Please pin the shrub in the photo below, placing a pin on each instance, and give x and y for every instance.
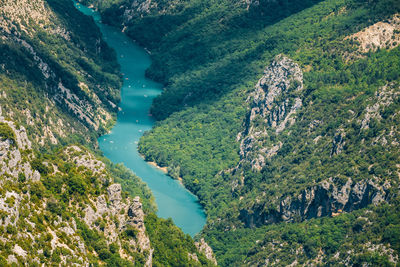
(6, 132)
(77, 185)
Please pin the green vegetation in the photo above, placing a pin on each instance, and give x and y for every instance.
(354, 232)
(74, 60)
(171, 244)
(6, 132)
(97, 242)
(210, 55)
(59, 86)
(201, 139)
(133, 185)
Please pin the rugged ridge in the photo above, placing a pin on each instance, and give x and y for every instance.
(61, 203)
(325, 199)
(271, 107)
(21, 205)
(68, 85)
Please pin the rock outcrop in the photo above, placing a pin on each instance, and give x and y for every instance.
(204, 248)
(12, 163)
(325, 199)
(18, 208)
(251, 3)
(273, 108)
(384, 97)
(108, 209)
(383, 34)
(338, 142)
(140, 8)
(110, 213)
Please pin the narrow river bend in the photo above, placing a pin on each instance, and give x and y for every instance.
(172, 199)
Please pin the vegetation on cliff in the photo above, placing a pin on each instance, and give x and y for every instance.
(61, 202)
(210, 55)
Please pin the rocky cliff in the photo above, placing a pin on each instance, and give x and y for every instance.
(60, 203)
(383, 34)
(331, 196)
(37, 222)
(69, 78)
(272, 108)
(325, 199)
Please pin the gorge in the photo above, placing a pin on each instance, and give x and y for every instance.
(137, 93)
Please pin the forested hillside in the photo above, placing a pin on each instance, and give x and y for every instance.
(282, 116)
(61, 202)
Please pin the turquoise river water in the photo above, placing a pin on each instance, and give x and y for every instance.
(120, 146)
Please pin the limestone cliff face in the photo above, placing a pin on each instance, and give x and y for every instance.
(140, 8)
(204, 248)
(251, 3)
(68, 86)
(128, 213)
(325, 199)
(111, 213)
(12, 163)
(59, 206)
(273, 108)
(383, 34)
(118, 218)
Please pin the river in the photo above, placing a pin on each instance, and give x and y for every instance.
(120, 146)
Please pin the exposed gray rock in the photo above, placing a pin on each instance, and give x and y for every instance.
(193, 256)
(251, 3)
(203, 247)
(272, 107)
(88, 113)
(12, 210)
(383, 98)
(383, 34)
(324, 199)
(338, 142)
(114, 196)
(89, 161)
(136, 214)
(140, 8)
(136, 219)
(12, 259)
(11, 162)
(129, 214)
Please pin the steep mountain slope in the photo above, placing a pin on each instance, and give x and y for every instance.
(61, 203)
(268, 154)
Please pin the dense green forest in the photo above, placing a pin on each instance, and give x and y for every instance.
(210, 55)
(59, 91)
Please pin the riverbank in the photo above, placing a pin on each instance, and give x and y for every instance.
(165, 170)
